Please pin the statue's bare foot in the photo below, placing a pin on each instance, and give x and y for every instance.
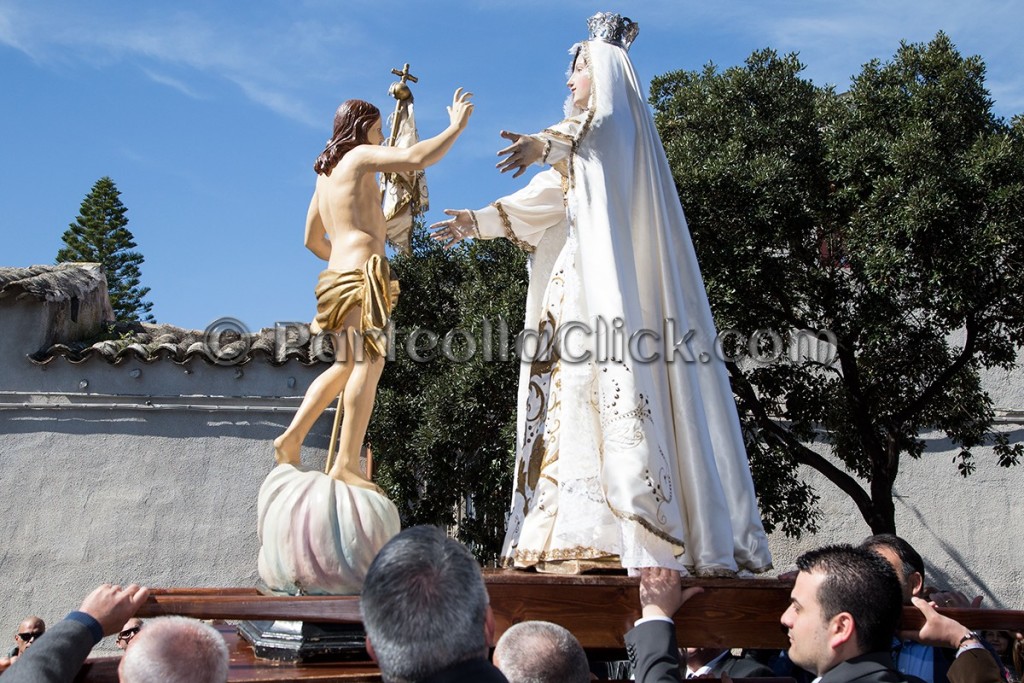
(286, 451)
(353, 478)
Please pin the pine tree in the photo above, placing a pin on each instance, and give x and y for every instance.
(100, 235)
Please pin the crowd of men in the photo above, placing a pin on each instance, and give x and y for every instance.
(428, 619)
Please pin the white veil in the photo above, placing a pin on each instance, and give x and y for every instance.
(667, 427)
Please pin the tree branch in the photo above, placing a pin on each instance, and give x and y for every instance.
(940, 382)
(801, 453)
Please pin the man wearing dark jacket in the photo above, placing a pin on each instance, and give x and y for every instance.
(844, 608)
(426, 611)
(58, 654)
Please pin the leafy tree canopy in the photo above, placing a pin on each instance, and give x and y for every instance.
(891, 216)
(443, 428)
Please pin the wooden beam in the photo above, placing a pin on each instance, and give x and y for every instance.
(597, 609)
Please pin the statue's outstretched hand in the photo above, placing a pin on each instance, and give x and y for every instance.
(524, 150)
(461, 108)
(460, 226)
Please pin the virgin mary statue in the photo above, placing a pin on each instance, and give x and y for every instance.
(629, 449)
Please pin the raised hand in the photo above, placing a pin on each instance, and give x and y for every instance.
(457, 228)
(112, 605)
(524, 150)
(938, 630)
(661, 592)
(461, 108)
(952, 599)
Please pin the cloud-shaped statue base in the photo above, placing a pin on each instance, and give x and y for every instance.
(319, 535)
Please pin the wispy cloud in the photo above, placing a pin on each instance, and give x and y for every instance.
(171, 83)
(276, 64)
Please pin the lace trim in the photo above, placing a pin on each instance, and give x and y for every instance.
(578, 552)
(476, 226)
(509, 233)
(557, 134)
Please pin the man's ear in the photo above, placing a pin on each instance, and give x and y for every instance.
(489, 627)
(369, 650)
(916, 584)
(842, 630)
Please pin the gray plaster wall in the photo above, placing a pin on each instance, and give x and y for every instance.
(149, 476)
(967, 530)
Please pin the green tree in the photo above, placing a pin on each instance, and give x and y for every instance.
(890, 215)
(100, 235)
(443, 427)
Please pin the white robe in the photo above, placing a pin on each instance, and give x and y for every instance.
(628, 452)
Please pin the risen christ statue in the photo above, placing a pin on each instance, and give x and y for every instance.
(345, 226)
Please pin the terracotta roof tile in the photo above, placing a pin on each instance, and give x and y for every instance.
(151, 343)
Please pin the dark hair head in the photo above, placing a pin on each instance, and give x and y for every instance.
(861, 583)
(909, 557)
(424, 605)
(352, 123)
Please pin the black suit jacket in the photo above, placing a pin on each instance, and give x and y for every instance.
(654, 652)
(741, 667)
(974, 666)
(874, 667)
(471, 671)
(56, 657)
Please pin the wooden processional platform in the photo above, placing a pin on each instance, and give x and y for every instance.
(597, 609)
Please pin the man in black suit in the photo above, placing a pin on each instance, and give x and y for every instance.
(844, 608)
(651, 644)
(426, 611)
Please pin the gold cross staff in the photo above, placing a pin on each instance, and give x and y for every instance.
(401, 92)
(404, 73)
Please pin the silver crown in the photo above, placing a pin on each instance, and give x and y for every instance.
(613, 28)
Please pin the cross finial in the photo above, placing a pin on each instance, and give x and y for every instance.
(404, 74)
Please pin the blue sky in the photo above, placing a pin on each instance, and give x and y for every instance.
(208, 116)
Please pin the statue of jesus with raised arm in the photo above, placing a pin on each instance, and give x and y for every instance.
(345, 226)
(319, 532)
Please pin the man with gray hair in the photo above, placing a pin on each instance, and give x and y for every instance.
(426, 611)
(175, 650)
(541, 652)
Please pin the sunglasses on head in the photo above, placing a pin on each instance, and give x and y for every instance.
(29, 637)
(128, 634)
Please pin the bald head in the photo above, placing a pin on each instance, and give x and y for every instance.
(541, 652)
(28, 630)
(175, 650)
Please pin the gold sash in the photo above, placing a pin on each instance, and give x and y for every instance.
(370, 288)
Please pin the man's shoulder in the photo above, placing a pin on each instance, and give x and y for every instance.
(875, 667)
(474, 670)
(741, 667)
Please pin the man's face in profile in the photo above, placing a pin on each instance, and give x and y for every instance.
(806, 626)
